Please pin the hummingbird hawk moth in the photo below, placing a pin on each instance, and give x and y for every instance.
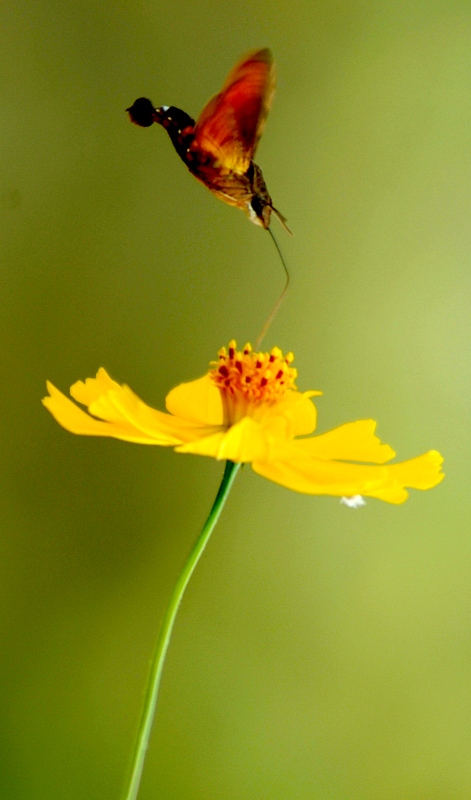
(219, 147)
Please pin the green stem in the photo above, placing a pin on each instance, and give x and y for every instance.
(155, 676)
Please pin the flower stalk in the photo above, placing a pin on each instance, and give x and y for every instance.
(158, 660)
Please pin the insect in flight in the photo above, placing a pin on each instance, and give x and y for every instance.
(219, 147)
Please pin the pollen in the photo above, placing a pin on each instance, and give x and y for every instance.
(249, 380)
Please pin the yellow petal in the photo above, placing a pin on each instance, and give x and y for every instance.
(121, 414)
(315, 476)
(198, 401)
(75, 420)
(242, 443)
(91, 389)
(208, 446)
(149, 420)
(70, 416)
(354, 441)
(298, 410)
(423, 472)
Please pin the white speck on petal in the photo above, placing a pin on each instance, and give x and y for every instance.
(353, 502)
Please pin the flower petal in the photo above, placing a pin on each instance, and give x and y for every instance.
(207, 446)
(91, 389)
(354, 441)
(198, 401)
(71, 417)
(316, 476)
(121, 414)
(423, 472)
(242, 443)
(149, 420)
(298, 410)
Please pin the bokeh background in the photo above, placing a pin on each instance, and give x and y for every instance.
(320, 652)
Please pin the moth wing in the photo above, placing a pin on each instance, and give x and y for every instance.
(231, 123)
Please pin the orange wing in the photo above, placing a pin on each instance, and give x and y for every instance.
(231, 123)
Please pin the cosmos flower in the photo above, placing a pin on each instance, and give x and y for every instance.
(247, 409)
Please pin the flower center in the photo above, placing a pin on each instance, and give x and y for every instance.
(249, 380)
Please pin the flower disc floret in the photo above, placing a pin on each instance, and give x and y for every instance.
(249, 380)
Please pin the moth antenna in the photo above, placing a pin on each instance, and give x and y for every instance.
(278, 303)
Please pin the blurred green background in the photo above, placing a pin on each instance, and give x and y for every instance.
(319, 652)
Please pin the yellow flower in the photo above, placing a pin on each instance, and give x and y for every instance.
(247, 409)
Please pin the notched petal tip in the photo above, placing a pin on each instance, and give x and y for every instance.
(423, 472)
(70, 416)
